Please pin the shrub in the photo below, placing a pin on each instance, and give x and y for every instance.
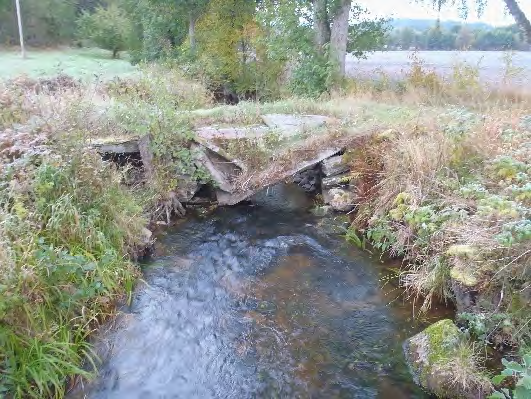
(311, 76)
(108, 28)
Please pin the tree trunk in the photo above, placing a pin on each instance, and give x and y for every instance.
(520, 18)
(339, 36)
(115, 53)
(321, 24)
(191, 32)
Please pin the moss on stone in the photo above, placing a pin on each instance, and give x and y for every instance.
(464, 276)
(463, 251)
(434, 356)
(442, 337)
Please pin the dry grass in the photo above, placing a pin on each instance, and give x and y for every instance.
(421, 204)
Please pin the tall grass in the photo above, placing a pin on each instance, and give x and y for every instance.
(67, 226)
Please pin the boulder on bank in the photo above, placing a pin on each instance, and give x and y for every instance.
(435, 359)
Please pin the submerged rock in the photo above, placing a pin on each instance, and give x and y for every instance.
(433, 356)
(334, 225)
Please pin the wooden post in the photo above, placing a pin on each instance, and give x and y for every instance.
(20, 30)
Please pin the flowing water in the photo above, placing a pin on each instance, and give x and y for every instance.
(263, 301)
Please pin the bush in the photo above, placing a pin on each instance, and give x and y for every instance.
(108, 28)
(312, 76)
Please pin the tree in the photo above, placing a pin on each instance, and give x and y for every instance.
(45, 22)
(108, 28)
(407, 36)
(365, 34)
(331, 27)
(464, 39)
(339, 34)
(192, 10)
(512, 6)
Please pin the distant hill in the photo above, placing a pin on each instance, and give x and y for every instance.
(423, 24)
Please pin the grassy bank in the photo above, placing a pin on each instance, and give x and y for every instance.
(449, 193)
(67, 230)
(85, 64)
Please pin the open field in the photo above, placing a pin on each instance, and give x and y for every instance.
(85, 64)
(492, 64)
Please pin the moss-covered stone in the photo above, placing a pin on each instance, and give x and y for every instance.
(463, 251)
(464, 276)
(431, 356)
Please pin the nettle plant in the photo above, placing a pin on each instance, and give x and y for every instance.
(509, 169)
(515, 232)
(473, 190)
(518, 372)
(459, 121)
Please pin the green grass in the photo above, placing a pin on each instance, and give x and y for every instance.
(85, 64)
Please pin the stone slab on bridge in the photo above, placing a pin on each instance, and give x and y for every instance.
(226, 170)
(238, 195)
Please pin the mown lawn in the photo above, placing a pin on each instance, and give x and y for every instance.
(86, 64)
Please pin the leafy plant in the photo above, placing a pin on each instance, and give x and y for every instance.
(520, 373)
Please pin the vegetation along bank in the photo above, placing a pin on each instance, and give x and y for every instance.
(431, 170)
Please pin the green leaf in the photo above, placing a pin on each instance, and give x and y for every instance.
(521, 393)
(497, 395)
(525, 382)
(497, 380)
(515, 367)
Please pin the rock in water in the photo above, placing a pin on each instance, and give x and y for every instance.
(336, 181)
(341, 200)
(435, 360)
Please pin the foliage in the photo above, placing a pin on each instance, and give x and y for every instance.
(46, 22)
(461, 37)
(108, 28)
(311, 76)
(67, 225)
(157, 105)
(450, 194)
(521, 373)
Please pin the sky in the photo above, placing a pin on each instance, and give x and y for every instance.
(494, 14)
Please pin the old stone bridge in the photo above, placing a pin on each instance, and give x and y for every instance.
(309, 156)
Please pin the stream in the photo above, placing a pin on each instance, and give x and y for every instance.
(261, 301)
